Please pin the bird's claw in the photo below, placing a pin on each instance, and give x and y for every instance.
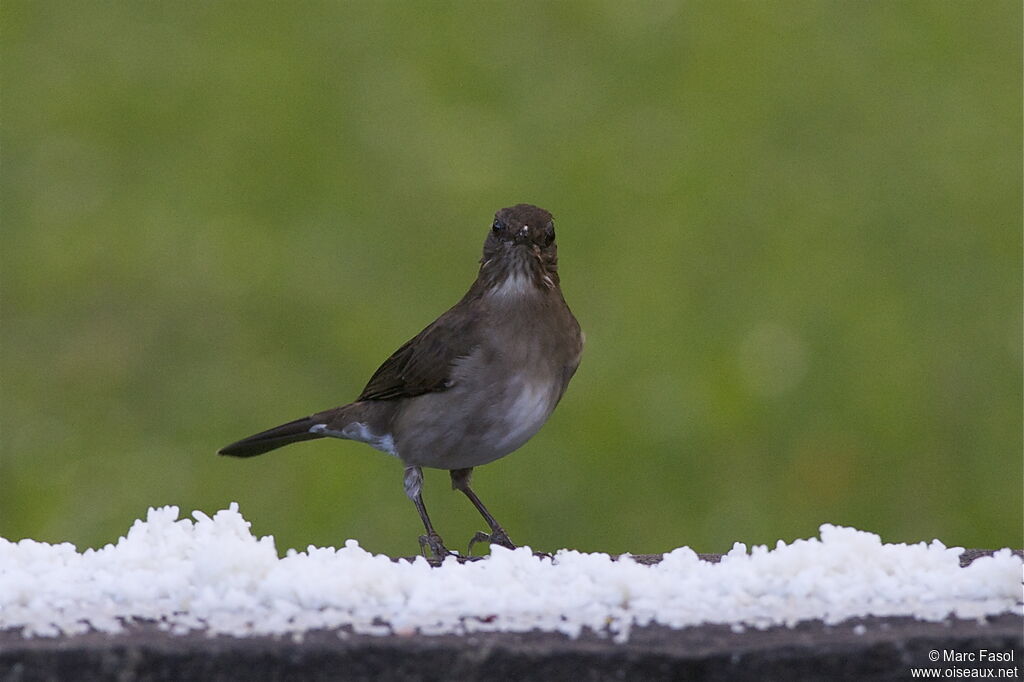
(434, 542)
(497, 537)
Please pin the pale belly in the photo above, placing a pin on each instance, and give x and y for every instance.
(458, 428)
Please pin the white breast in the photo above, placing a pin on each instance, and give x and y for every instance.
(528, 408)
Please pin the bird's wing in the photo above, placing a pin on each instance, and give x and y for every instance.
(424, 363)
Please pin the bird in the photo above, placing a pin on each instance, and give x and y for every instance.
(475, 385)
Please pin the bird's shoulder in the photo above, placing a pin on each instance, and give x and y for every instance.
(424, 363)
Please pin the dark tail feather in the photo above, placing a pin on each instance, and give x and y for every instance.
(271, 439)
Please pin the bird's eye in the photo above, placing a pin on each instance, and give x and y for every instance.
(498, 226)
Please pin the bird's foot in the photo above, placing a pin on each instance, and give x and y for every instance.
(434, 542)
(496, 537)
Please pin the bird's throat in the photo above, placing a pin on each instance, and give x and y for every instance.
(520, 273)
(515, 284)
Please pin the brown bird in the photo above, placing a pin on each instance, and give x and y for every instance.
(473, 386)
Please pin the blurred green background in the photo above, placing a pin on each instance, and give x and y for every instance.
(790, 230)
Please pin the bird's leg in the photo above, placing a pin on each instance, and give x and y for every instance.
(413, 486)
(498, 536)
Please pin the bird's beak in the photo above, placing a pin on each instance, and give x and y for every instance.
(523, 234)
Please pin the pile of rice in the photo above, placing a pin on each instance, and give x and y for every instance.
(212, 574)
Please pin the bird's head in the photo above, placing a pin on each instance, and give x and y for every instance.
(521, 245)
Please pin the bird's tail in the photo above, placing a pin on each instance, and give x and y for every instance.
(271, 439)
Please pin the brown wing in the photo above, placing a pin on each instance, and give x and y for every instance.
(424, 363)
